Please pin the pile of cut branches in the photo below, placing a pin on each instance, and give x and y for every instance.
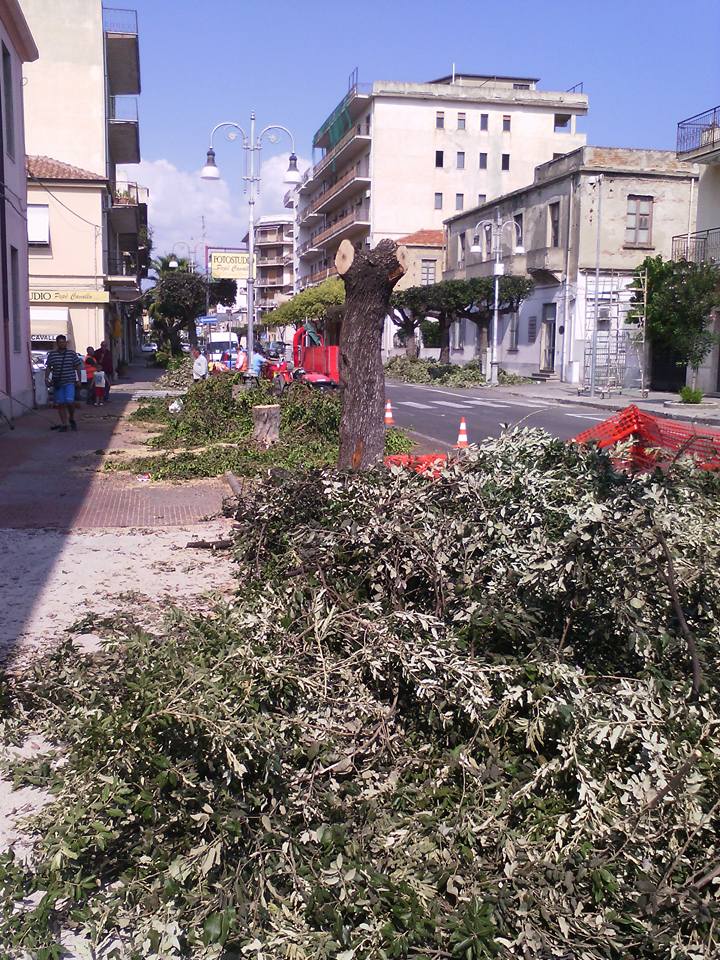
(470, 718)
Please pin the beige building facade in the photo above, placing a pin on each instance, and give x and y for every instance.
(401, 157)
(81, 113)
(17, 48)
(637, 201)
(698, 143)
(274, 263)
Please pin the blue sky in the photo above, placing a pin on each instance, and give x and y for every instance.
(645, 64)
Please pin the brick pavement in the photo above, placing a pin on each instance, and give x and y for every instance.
(53, 480)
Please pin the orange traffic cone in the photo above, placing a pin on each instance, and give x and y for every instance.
(462, 440)
(389, 422)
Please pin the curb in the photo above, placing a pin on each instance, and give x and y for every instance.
(659, 410)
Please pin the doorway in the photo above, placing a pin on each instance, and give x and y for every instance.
(547, 338)
(667, 369)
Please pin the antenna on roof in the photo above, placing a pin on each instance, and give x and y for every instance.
(453, 73)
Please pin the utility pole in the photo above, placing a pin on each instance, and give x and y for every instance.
(593, 355)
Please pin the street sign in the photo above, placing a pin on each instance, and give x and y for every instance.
(229, 265)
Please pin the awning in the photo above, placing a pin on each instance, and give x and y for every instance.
(46, 323)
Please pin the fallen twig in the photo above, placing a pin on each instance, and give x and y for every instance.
(680, 614)
(210, 544)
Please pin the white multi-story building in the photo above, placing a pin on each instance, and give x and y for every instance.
(274, 270)
(402, 157)
(17, 47)
(81, 113)
(636, 201)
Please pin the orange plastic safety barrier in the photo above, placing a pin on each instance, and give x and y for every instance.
(428, 465)
(656, 441)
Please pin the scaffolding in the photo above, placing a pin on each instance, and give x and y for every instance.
(618, 347)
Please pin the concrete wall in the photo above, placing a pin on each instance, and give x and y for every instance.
(405, 178)
(19, 382)
(65, 89)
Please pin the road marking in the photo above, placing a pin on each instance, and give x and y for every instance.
(584, 416)
(447, 403)
(411, 403)
(487, 403)
(527, 403)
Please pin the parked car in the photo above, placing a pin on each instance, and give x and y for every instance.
(149, 347)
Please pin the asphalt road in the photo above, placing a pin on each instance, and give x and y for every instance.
(434, 413)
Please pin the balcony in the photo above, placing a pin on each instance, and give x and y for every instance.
(307, 182)
(353, 143)
(123, 275)
(354, 223)
(123, 130)
(698, 138)
(548, 260)
(308, 248)
(122, 51)
(273, 282)
(126, 202)
(356, 177)
(318, 276)
(273, 261)
(274, 237)
(703, 246)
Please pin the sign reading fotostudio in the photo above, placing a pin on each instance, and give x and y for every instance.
(69, 296)
(229, 264)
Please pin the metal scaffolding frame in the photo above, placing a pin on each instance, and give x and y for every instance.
(619, 348)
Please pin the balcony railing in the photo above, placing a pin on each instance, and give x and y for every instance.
(123, 109)
(120, 21)
(360, 169)
(123, 266)
(318, 276)
(272, 236)
(699, 132)
(125, 194)
(359, 130)
(358, 215)
(698, 247)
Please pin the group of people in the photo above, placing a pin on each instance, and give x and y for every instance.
(63, 368)
(253, 366)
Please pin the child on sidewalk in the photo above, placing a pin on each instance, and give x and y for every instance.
(99, 384)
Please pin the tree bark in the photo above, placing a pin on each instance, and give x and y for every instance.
(369, 277)
(444, 322)
(412, 349)
(481, 342)
(266, 424)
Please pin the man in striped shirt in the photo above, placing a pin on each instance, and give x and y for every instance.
(63, 366)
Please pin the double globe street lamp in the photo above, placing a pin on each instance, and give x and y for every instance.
(251, 144)
(496, 228)
(173, 263)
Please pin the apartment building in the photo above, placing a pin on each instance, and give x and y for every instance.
(17, 47)
(81, 112)
(274, 270)
(637, 200)
(401, 157)
(698, 143)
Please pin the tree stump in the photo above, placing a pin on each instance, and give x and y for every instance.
(369, 277)
(266, 424)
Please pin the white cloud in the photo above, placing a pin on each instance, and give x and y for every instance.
(179, 199)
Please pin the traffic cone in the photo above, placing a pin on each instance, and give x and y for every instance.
(389, 422)
(462, 440)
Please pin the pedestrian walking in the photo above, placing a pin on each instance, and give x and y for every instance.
(90, 364)
(241, 363)
(200, 365)
(62, 367)
(104, 358)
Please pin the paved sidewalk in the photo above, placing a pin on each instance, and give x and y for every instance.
(52, 480)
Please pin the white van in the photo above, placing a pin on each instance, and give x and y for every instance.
(220, 342)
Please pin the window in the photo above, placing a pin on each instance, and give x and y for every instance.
(562, 123)
(506, 122)
(457, 337)
(482, 197)
(638, 226)
(521, 86)
(483, 161)
(439, 158)
(554, 218)
(427, 272)
(461, 248)
(461, 121)
(483, 121)
(8, 102)
(514, 330)
(505, 161)
(15, 301)
(518, 218)
(440, 120)
(460, 160)
(438, 201)
(38, 223)
(532, 329)
(459, 201)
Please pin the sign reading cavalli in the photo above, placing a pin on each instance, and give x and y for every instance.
(69, 296)
(228, 265)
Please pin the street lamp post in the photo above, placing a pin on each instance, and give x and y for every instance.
(192, 255)
(497, 226)
(251, 145)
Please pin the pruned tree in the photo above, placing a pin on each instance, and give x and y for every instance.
(681, 299)
(512, 291)
(313, 303)
(407, 312)
(369, 277)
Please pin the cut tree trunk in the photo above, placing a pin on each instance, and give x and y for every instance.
(266, 424)
(481, 344)
(412, 348)
(369, 277)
